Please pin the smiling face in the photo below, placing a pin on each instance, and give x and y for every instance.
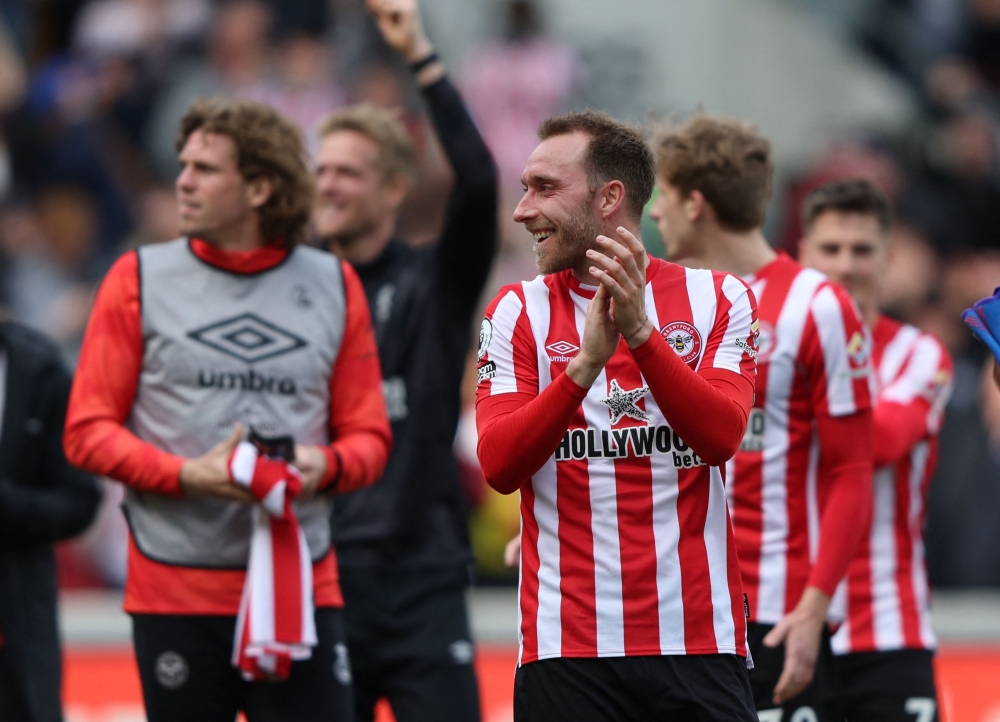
(669, 212)
(213, 198)
(352, 195)
(850, 248)
(558, 207)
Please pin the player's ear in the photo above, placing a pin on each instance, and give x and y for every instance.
(259, 191)
(611, 198)
(695, 206)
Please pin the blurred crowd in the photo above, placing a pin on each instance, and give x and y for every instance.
(91, 92)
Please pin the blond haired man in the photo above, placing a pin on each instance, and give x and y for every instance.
(403, 542)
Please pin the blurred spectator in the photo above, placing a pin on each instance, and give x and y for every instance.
(515, 82)
(956, 197)
(42, 500)
(133, 28)
(303, 84)
(157, 217)
(50, 254)
(846, 160)
(236, 63)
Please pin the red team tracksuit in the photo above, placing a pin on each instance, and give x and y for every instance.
(803, 472)
(886, 641)
(627, 548)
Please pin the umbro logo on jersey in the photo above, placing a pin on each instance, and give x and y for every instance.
(248, 338)
(578, 444)
(684, 339)
(563, 351)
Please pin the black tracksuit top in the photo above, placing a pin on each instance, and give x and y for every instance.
(422, 301)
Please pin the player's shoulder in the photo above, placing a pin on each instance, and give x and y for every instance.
(831, 301)
(510, 298)
(697, 283)
(922, 344)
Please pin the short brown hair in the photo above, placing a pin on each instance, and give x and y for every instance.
(617, 151)
(726, 160)
(854, 195)
(396, 156)
(268, 145)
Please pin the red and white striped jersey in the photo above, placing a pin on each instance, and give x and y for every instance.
(627, 548)
(887, 599)
(813, 357)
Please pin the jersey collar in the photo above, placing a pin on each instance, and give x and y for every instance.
(242, 262)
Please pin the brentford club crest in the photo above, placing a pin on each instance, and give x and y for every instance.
(684, 339)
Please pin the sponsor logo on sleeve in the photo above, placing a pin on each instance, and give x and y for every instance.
(485, 337)
(858, 352)
(486, 370)
(684, 339)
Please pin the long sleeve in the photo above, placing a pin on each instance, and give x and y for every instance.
(709, 409)
(63, 501)
(104, 388)
(359, 425)
(910, 408)
(845, 466)
(469, 238)
(518, 432)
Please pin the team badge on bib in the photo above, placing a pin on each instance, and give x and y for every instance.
(684, 339)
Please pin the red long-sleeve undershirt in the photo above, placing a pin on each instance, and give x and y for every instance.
(846, 467)
(519, 432)
(898, 428)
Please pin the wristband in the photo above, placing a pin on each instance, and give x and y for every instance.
(641, 325)
(423, 62)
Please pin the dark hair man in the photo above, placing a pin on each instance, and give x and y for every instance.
(802, 477)
(885, 646)
(42, 500)
(233, 325)
(403, 543)
(612, 389)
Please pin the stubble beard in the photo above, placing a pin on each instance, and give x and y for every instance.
(576, 236)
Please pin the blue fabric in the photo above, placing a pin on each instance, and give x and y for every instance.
(984, 320)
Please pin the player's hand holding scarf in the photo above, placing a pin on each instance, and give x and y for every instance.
(984, 320)
(276, 624)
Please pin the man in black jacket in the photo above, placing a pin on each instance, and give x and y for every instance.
(402, 544)
(42, 500)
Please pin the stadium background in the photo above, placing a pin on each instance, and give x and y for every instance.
(906, 92)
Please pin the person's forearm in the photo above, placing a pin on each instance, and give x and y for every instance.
(708, 413)
(107, 448)
(356, 460)
(846, 470)
(516, 437)
(464, 147)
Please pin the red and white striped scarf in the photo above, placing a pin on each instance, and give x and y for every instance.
(276, 624)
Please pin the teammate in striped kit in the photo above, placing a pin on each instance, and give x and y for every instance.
(802, 477)
(612, 390)
(885, 647)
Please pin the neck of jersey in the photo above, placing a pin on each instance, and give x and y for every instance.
(254, 261)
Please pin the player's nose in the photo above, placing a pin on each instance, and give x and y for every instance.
(525, 210)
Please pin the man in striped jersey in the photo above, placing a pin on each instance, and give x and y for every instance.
(885, 646)
(612, 390)
(802, 478)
